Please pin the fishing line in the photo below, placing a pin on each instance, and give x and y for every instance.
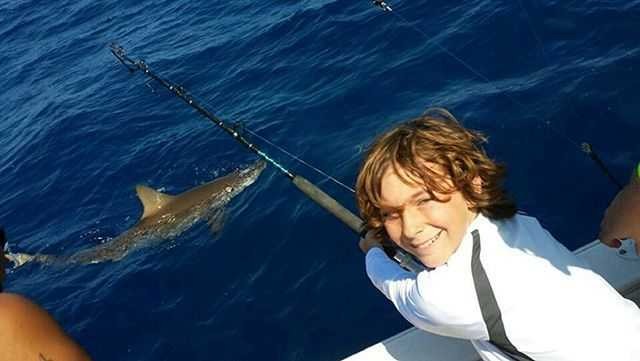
(533, 30)
(586, 147)
(484, 78)
(583, 147)
(293, 156)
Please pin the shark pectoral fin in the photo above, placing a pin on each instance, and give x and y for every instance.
(216, 220)
(152, 200)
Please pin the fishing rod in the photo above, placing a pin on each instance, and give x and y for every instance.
(309, 189)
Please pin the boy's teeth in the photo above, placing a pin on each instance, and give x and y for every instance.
(431, 240)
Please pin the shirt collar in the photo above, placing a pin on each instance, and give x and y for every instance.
(465, 247)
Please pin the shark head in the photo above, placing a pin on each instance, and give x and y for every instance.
(250, 173)
(238, 180)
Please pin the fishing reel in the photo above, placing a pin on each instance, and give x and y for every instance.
(627, 250)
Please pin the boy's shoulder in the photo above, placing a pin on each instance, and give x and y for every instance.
(519, 229)
(520, 219)
(522, 235)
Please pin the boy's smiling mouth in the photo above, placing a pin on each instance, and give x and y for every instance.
(427, 242)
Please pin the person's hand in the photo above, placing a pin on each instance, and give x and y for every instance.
(622, 217)
(371, 239)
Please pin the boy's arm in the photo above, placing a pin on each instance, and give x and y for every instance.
(385, 274)
(622, 217)
(397, 284)
(388, 277)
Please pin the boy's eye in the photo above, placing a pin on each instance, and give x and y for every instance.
(388, 216)
(423, 201)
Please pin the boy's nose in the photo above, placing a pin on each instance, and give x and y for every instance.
(412, 224)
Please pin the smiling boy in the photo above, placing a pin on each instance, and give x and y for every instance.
(494, 277)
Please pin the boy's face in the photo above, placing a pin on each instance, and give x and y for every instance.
(428, 228)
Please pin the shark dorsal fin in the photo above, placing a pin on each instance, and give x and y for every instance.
(152, 200)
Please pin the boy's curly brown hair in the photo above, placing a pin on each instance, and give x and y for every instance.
(438, 138)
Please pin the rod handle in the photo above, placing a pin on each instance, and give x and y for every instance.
(327, 202)
(351, 220)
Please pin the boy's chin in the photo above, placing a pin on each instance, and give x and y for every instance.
(431, 261)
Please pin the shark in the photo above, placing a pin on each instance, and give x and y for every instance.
(164, 216)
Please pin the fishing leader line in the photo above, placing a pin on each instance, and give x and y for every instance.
(584, 147)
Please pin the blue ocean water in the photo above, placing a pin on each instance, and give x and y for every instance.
(284, 280)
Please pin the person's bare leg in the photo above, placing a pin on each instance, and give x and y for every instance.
(28, 332)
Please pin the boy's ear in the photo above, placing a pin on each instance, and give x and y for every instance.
(477, 184)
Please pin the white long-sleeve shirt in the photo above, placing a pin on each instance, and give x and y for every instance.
(552, 306)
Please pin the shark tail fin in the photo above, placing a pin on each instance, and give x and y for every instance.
(19, 259)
